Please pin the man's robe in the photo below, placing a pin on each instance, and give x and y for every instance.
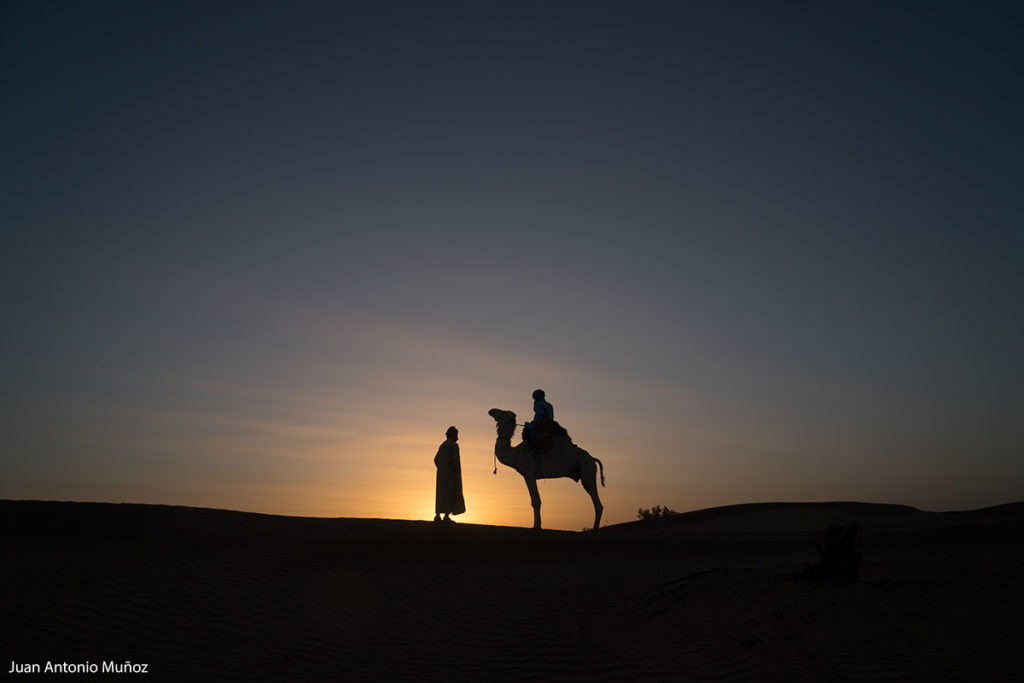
(448, 493)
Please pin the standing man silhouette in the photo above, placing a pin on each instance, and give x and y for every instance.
(448, 499)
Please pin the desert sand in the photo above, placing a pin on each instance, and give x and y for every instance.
(716, 595)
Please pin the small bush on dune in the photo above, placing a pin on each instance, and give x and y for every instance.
(656, 512)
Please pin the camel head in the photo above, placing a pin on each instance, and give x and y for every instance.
(506, 420)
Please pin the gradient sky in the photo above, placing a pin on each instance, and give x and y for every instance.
(261, 255)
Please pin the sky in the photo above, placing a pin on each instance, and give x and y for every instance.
(261, 255)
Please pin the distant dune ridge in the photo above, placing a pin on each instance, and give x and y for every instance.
(203, 594)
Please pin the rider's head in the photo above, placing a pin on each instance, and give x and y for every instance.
(538, 395)
(452, 433)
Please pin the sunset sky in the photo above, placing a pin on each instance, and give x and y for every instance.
(260, 255)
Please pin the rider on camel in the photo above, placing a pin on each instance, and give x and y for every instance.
(543, 422)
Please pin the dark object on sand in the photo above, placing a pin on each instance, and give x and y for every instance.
(839, 556)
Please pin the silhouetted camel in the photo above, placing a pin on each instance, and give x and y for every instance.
(565, 459)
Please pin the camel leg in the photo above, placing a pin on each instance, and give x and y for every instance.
(531, 484)
(589, 482)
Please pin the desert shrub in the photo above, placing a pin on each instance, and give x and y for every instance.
(839, 555)
(656, 512)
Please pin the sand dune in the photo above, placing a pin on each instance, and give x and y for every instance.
(200, 594)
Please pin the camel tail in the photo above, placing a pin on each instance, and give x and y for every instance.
(602, 469)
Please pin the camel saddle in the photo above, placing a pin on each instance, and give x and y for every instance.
(546, 431)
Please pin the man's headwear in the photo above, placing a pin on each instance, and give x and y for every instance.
(451, 430)
(538, 395)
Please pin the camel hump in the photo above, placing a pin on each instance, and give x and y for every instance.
(546, 427)
(547, 436)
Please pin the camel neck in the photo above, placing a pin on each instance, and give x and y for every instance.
(502, 445)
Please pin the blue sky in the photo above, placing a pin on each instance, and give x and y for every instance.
(260, 256)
